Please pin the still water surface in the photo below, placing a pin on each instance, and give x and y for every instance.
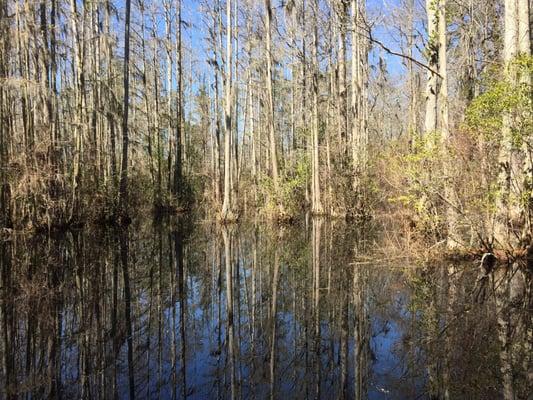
(310, 311)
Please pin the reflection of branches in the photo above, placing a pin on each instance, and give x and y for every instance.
(124, 254)
(296, 326)
(273, 323)
(228, 257)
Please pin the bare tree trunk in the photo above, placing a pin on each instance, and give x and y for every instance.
(443, 71)
(270, 116)
(342, 90)
(452, 237)
(253, 141)
(357, 112)
(525, 43)
(5, 188)
(512, 181)
(179, 106)
(123, 192)
(77, 81)
(317, 207)
(168, 90)
(227, 206)
(235, 96)
(432, 51)
(217, 142)
(412, 126)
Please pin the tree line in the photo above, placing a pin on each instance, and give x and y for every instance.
(340, 108)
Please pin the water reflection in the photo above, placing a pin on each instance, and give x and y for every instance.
(160, 311)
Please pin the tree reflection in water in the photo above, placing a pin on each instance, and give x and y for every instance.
(253, 312)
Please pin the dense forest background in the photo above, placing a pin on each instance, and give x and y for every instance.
(420, 111)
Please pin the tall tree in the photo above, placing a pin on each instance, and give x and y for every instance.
(123, 190)
(270, 98)
(515, 173)
(227, 205)
(5, 188)
(179, 105)
(342, 14)
(359, 80)
(432, 54)
(316, 203)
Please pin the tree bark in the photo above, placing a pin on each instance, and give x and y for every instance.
(343, 106)
(270, 96)
(123, 192)
(227, 206)
(317, 207)
(432, 50)
(514, 166)
(179, 107)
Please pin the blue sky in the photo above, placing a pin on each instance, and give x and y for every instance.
(194, 34)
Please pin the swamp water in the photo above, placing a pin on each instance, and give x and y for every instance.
(251, 312)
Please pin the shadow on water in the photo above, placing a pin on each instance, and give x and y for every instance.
(249, 311)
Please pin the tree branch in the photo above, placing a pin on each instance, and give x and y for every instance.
(405, 56)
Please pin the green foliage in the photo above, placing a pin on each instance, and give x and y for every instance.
(504, 98)
(292, 187)
(463, 170)
(421, 179)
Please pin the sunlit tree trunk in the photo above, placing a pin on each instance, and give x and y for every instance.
(514, 200)
(358, 107)
(5, 188)
(342, 13)
(270, 105)
(77, 82)
(236, 100)
(443, 71)
(413, 93)
(179, 135)
(168, 91)
(452, 237)
(317, 207)
(109, 97)
(167, 85)
(123, 192)
(525, 47)
(432, 54)
(217, 141)
(227, 206)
